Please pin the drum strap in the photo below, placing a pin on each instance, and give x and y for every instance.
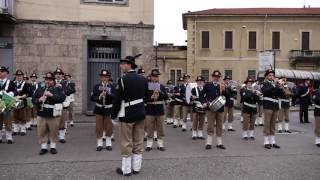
(7, 85)
(305, 94)
(197, 92)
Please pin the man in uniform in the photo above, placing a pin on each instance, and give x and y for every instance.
(70, 91)
(29, 105)
(271, 93)
(155, 110)
(284, 107)
(186, 107)
(47, 99)
(211, 91)
(6, 118)
(129, 106)
(178, 102)
(304, 97)
(198, 111)
(34, 87)
(259, 120)
(316, 99)
(102, 94)
(228, 108)
(170, 103)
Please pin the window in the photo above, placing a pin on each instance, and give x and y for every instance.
(276, 40)
(205, 74)
(252, 73)
(305, 40)
(106, 1)
(252, 40)
(174, 75)
(205, 36)
(228, 72)
(228, 40)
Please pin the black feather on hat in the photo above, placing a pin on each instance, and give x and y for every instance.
(131, 60)
(19, 73)
(268, 71)
(155, 72)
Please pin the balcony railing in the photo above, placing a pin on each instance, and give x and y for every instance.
(304, 54)
(6, 7)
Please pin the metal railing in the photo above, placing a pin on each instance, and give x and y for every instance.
(304, 54)
(7, 7)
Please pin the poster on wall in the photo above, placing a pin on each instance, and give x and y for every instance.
(266, 60)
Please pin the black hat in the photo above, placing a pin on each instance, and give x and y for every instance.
(2, 68)
(58, 71)
(49, 75)
(131, 60)
(141, 71)
(169, 82)
(110, 79)
(200, 78)
(227, 77)
(155, 72)
(34, 75)
(186, 76)
(216, 73)
(249, 79)
(25, 77)
(19, 73)
(104, 72)
(66, 74)
(268, 72)
(180, 79)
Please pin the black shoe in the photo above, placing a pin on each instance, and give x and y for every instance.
(9, 141)
(119, 171)
(280, 131)
(201, 138)
(43, 151)
(135, 172)
(145, 139)
(71, 125)
(194, 138)
(62, 141)
(109, 148)
(174, 126)
(307, 122)
(104, 139)
(35, 126)
(260, 124)
(318, 145)
(183, 130)
(276, 146)
(99, 148)
(287, 131)
(148, 149)
(221, 146)
(231, 130)
(29, 129)
(0, 141)
(53, 151)
(208, 146)
(267, 146)
(168, 123)
(245, 138)
(180, 125)
(161, 148)
(252, 138)
(14, 134)
(112, 139)
(22, 134)
(155, 139)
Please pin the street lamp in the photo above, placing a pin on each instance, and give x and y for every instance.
(243, 27)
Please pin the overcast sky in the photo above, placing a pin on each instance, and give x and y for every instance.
(168, 13)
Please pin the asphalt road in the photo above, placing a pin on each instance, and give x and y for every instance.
(298, 158)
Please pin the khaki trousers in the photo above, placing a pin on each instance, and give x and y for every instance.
(248, 121)
(197, 121)
(169, 111)
(28, 114)
(103, 123)
(48, 129)
(63, 119)
(6, 119)
(317, 126)
(283, 115)
(34, 112)
(215, 118)
(131, 138)
(178, 112)
(70, 109)
(155, 123)
(20, 116)
(270, 117)
(228, 114)
(260, 110)
(185, 111)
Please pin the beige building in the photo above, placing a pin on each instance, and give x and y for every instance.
(230, 40)
(80, 36)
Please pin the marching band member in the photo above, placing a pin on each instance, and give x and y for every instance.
(29, 105)
(34, 87)
(102, 94)
(259, 120)
(249, 109)
(284, 107)
(178, 102)
(155, 110)
(198, 111)
(228, 108)
(211, 91)
(70, 90)
(49, 100)
(6, 117)
(186, 107)
(19, 127)
(271, 93)
(170, 103)
(129, 106)
(305, 101)
(316, 99)
(242, 88)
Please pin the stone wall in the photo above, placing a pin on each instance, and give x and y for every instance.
(41, 46)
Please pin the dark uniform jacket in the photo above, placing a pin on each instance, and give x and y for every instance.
(304, 95)
(183, 94)
(178, 100)
(34, 86)
(211, 92)
(273, 92)
(230, 99)
(100, 108)
(23, 88)
(9, 87)
(316, 99)
(135, 88)
(69, 87)
(249, 98)
(57, 98)
(199, 98)
(285, 101)
(156, 109)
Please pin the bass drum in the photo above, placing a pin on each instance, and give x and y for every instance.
(218, 103)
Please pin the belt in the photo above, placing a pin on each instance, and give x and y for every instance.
(155, 102)
(317, 106)
(284, 100)
(232, 99)
(270, 99)
(250, 105)
(131, 103)
(104, 106)
(179, 100)
(48, 106)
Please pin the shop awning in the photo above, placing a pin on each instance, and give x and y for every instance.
(294, 74)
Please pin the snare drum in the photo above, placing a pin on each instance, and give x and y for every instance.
(218, 103)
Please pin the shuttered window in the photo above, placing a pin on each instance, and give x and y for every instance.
(275, 40)
(252, 40)
(205, 39)
(305, 41)
(228, 39)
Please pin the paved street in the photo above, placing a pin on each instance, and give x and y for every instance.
(298, 158)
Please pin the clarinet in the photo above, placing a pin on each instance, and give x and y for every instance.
(42, 104)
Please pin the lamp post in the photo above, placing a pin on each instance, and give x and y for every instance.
(156, 54)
